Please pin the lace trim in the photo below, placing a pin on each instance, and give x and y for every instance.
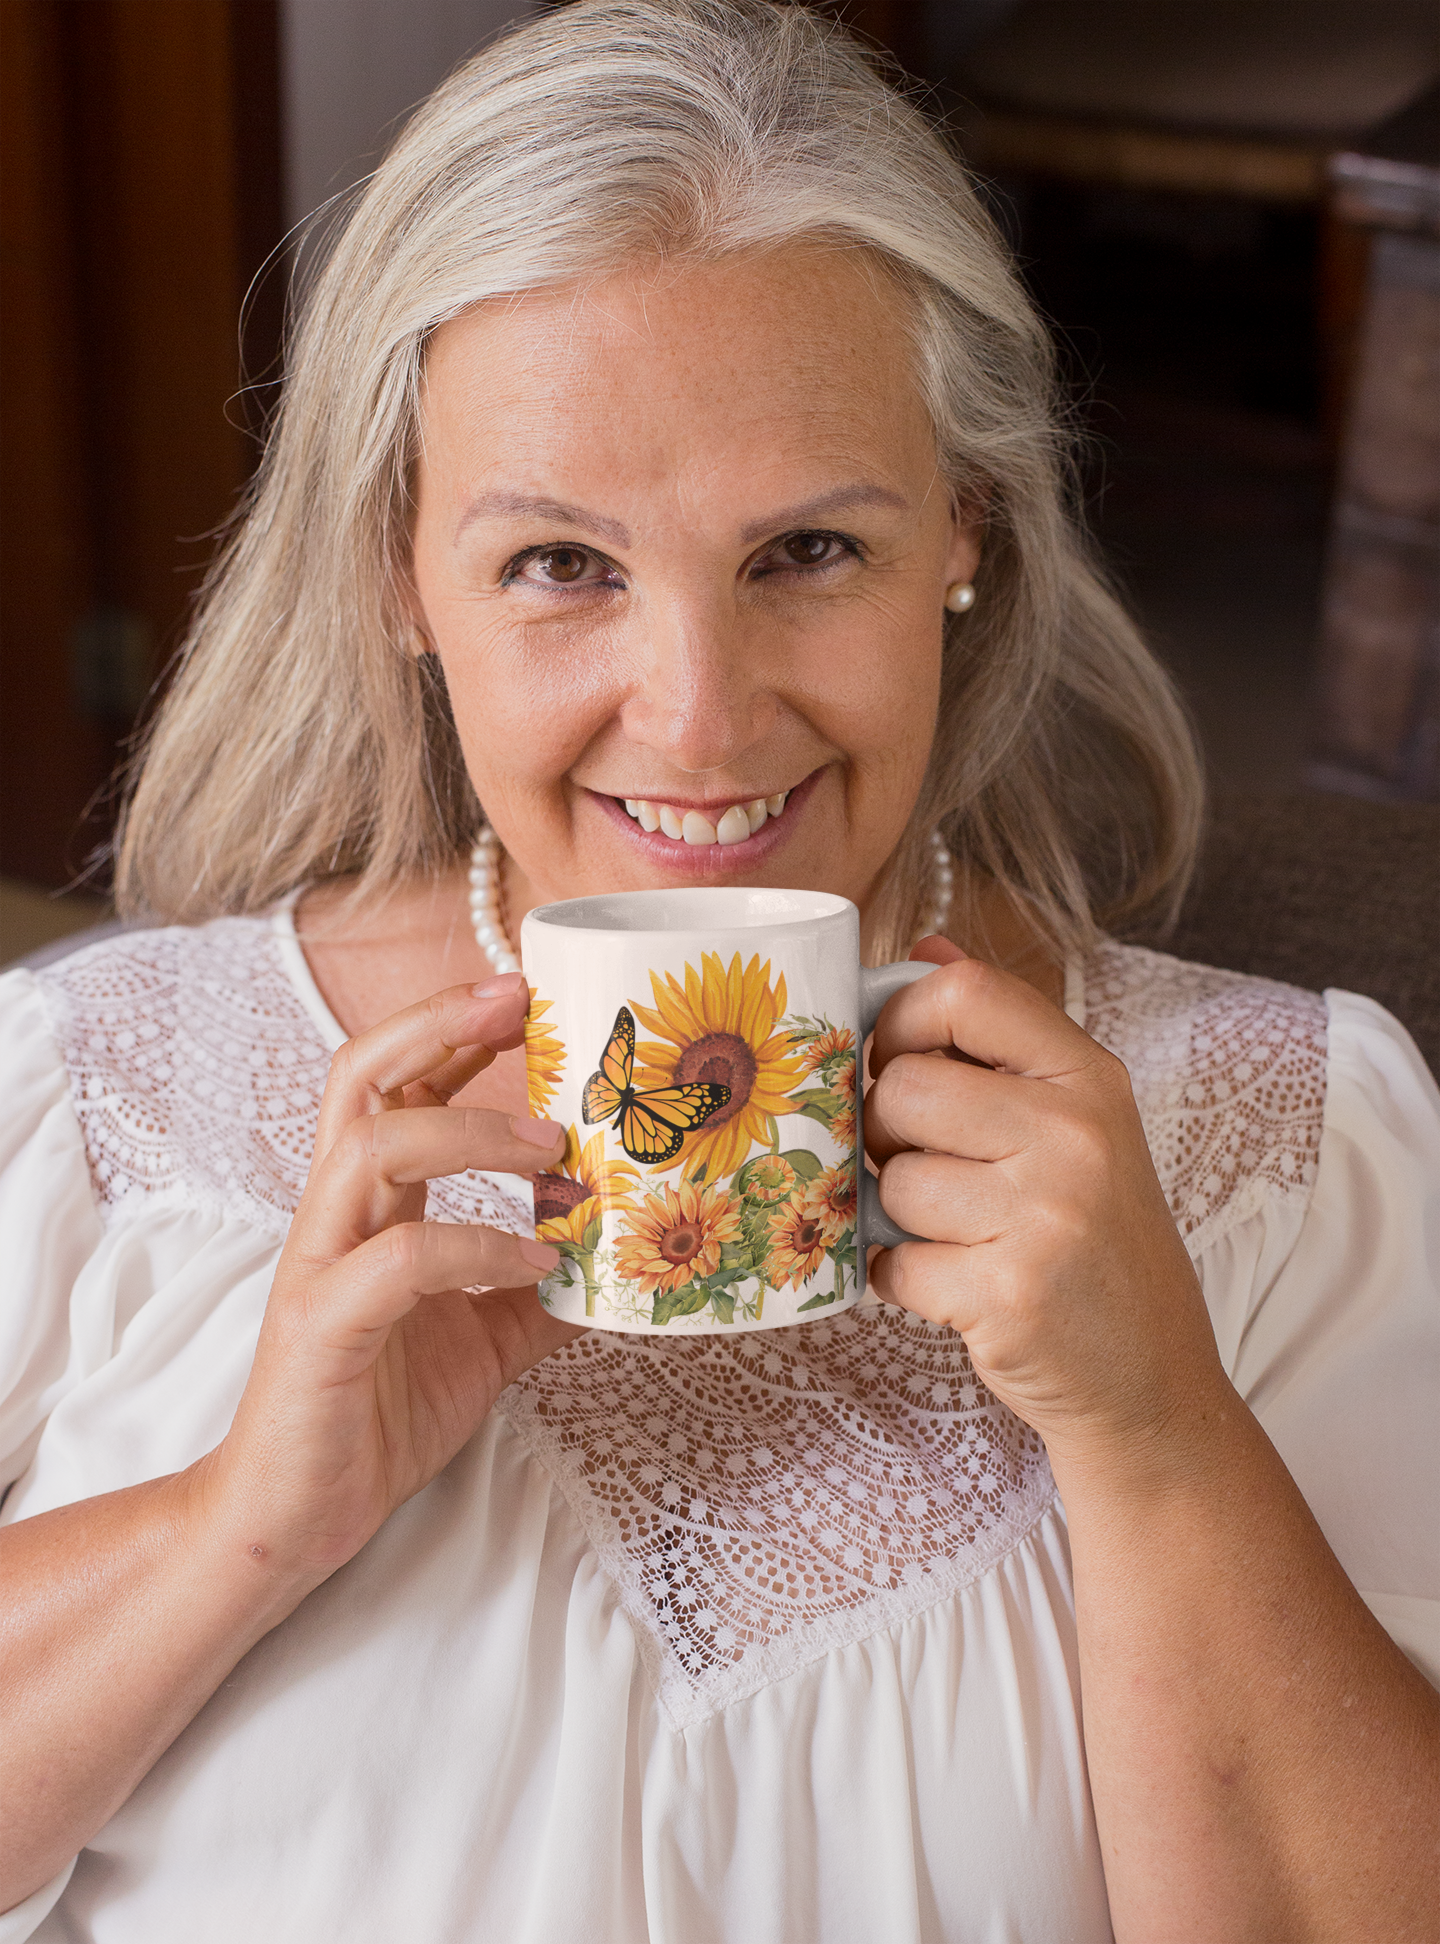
(763, 1499)
(1229, 1077)
(759, 1500)
(196, 1076)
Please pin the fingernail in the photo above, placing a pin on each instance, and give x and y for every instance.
(539, 1255)
(501, 988)
(539, 1133)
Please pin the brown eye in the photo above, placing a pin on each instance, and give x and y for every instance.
(806, 549)
(563, 563)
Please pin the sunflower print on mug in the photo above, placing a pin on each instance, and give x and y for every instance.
(544, 1056)
(571, 1201)
(723, 1025)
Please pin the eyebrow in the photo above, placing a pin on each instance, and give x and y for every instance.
(840, 499)
(523, 506)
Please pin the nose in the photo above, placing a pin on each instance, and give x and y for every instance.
(703, 690)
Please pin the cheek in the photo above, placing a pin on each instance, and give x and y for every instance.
(524, 711)
(876, 684)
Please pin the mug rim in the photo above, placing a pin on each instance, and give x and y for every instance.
(757, 908)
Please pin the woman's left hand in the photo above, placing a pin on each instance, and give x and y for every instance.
(1054, 1252)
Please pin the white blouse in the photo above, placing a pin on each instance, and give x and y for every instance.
(764, 1638)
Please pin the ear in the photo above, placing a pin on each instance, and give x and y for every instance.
(417, 640)
(967, 533)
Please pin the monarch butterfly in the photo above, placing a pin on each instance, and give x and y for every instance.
(651, 1125)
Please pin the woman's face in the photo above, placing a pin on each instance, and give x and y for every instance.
(682, 550)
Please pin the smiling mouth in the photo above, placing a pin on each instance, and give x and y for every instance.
(733, 825)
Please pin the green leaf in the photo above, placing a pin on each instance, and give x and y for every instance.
(814, 1110)
(722, 1301)
(590, 1241)
(804, 1161)
(817, 1302)
(680, 1302)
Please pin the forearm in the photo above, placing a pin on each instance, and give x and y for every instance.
(121, 1617)
(1263, 1758)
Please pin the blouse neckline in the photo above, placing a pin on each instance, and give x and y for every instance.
(297, 971)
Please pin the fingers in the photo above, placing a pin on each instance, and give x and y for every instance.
(383, 1279)
(991, 1015)
(947, 1199)
(452, 1033)
(932, 1279)
(922, 1102)
(361, 1184)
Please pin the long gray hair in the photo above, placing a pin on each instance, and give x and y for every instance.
(304, 738)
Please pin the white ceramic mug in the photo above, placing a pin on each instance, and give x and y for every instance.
(701, 1050)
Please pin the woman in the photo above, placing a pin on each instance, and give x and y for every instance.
(669, 449)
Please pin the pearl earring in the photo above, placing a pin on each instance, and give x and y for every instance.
(959, 597)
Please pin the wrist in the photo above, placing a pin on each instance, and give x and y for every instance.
(1167, 1454)
(260, 1576)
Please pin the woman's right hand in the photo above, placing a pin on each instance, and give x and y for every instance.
(379, 1356)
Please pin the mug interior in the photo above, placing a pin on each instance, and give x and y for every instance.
(723, 908)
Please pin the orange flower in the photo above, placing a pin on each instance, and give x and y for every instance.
(770, 1179)
(842, 1129)
(675, 1237)
(797, 1245)
(831, 1199)
(844, 1081)
(835, 1039)
(722, 1025)
(544, 1057)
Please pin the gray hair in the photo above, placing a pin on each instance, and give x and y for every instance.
(303, 737)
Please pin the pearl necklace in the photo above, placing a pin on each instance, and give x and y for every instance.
(494, 941)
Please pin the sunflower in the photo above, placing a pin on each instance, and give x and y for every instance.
(844, 1081)
(770, 1179)
(721, 1025)
(797, 1244)
(842, 1128)
(675, 1237)
(581, 1185)
(835, 1039)
(831, 1198)
(544, 1057)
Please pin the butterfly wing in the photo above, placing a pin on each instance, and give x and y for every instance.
(607, 1087)
(654, 1124)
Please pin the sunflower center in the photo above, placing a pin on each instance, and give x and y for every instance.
(557, 1195)
(805, 1234)
(724, 1057)
(682, 1244)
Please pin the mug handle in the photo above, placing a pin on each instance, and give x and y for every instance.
(877, 984)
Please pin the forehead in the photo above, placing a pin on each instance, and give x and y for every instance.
(768, 358)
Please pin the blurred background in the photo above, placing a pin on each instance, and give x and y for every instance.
(1228, 209)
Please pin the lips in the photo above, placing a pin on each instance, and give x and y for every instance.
(733, 825)
(713, 847)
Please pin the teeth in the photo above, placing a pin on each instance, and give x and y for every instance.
(740, 821)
